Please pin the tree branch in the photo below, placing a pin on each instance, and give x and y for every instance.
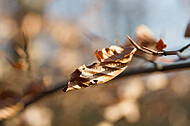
(128, 72)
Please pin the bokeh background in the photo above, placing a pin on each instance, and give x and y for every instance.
(62, 35)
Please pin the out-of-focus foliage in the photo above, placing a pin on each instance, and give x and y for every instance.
(39, 48)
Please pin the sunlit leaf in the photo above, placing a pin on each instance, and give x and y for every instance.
(113, 61)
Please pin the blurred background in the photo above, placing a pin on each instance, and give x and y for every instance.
(60, 35)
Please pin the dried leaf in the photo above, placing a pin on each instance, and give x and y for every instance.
(8, 97)
(160, 45)
(10, 111)
(9, 103)
(145, 36)
(187, 32)
(20, 46)
(113, 61)
(21, 64)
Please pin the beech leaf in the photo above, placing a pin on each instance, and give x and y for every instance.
(113, 61)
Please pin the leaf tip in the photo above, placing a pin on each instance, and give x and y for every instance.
(65, 88)
(97, 55)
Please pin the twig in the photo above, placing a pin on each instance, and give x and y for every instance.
(161, 52)
(154, 69)
(42, 94)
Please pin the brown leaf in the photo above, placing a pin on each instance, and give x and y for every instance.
(145, 36)
(187, 32)
(97, 55)
(9, 103)
(9, 97)
(113, 61)
(20, 46)
(114, 53)
(10, 111)
(160, 45)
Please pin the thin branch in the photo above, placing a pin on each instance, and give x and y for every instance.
(42, 94)
(161, 52)
(128, 72)
(154, 69)
(182, 49)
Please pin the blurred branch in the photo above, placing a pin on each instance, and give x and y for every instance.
(42, 94)
(128, 72)
(155, 69)
(20, 106)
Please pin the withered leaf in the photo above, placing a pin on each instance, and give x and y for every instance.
(9, 103)
(145, 36)
(160, 45)
(20, 46)
(113, 61)
(187, 32)
(11, 110)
